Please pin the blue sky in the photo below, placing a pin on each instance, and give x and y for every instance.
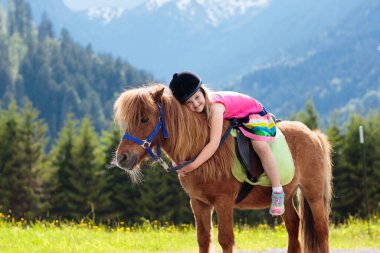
(78, 5)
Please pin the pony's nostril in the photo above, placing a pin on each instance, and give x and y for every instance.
(122, 158)
(126, 161)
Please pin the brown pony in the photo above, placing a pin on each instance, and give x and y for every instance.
(212, 186)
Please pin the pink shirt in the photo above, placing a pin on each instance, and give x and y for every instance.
(237, 105)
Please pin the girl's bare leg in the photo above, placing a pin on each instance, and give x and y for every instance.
(268, 161)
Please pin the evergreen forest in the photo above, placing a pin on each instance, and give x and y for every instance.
(57, 137)
(55, 73)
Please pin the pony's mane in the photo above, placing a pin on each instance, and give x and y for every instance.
(130, 105)
(188, 131)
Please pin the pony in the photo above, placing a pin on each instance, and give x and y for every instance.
(212, 186)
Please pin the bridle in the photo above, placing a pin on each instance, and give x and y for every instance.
(146, 144)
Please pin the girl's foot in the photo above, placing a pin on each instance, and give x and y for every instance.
(277, 208)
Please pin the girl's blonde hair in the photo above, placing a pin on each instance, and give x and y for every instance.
(206, 92)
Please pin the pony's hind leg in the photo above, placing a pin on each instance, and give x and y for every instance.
(203, 222)
(315, 197)
(315, 225)
(292, 222)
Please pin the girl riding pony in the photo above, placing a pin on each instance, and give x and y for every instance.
(257, 125)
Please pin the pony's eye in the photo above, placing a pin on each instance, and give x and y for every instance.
(144, 119)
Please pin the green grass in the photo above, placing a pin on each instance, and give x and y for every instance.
(44, 236)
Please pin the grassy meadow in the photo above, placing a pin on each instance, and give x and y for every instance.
(57, 236)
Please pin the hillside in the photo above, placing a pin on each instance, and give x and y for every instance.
(218, 39)
(323, 50)
(341, 70)
(331, 56)
(55, 73)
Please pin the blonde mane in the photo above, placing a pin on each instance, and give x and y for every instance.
(188, 131)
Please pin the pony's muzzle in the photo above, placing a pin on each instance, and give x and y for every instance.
(126, 161)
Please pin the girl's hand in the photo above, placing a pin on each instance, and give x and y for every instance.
(187, 169)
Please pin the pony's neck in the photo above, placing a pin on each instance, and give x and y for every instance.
(188, 135)
(188, 131)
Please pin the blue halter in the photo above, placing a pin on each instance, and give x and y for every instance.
(146, 144)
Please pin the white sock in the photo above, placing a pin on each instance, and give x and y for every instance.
(277, 189)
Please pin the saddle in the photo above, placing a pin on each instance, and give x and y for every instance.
(248, 157)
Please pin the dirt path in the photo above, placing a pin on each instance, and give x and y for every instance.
(333, 251)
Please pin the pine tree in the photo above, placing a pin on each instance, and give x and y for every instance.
(309, 116)
(17, 51)
(19, 18)
(21, 151)
(9, 173)
(4, 151)
(349, 189)
(336, 140)
(162, 196)
(5, 73)
(372, 160)
(62, 156)
(31, 153)
(45, 29)
(3, 20)
(87, 181)
(11, 17)
(124, 195)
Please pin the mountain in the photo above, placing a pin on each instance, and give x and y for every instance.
(340, 72)
(220, 40)
(281, 52)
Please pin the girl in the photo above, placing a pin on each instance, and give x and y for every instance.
(257, 124)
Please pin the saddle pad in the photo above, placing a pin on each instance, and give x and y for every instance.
(284, 161)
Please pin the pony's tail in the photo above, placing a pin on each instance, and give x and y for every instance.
(311, 240)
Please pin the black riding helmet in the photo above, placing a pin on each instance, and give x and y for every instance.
(184, 84)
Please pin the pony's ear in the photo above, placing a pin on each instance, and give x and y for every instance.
(157, 94)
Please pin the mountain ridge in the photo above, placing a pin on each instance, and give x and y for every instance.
(147, 38)
(333, 62)
(342, 75)
(216, 11)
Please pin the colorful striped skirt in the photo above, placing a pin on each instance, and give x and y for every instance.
(259, 126)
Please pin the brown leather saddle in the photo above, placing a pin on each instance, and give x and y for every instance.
(248, 157)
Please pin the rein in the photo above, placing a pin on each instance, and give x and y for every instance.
(146, 144)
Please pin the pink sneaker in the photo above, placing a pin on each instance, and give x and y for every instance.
(277, 208)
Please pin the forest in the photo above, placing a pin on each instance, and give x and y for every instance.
(58, 138)
(57, 74)
(74, 179)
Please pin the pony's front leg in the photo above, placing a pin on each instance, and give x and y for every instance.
(224, 211)
(203, 222)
